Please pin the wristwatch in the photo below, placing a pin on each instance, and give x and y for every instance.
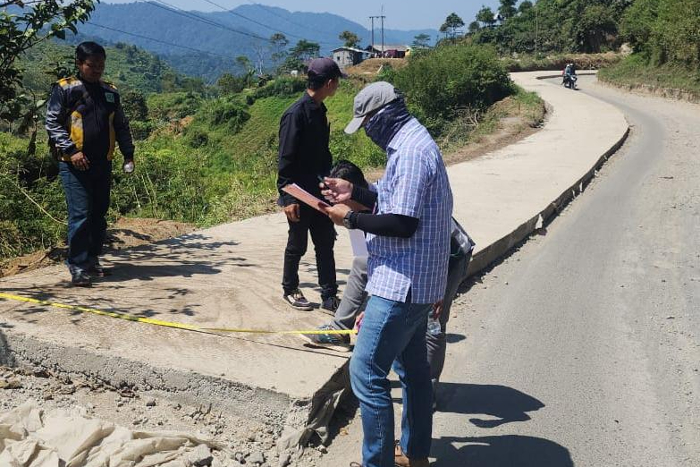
(347, 220)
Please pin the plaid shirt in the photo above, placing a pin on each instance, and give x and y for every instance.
(414, 184)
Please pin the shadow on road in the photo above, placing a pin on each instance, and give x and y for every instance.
(504, 403)
(499, 451)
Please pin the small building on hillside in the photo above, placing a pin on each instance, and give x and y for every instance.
(349, 56)
(388, 50)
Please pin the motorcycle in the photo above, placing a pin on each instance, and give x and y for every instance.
(570, 81)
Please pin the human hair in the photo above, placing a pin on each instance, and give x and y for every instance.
(348, 171)
(317, 82)
(88, 49)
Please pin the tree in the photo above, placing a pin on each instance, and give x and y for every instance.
(27, 24)
(299, 54)
(245, 63)
(524, 7)
(350, 38)
(134, 105)
(421, 41)
(451, 25)
(486, 16)
(305, 50)
(474, 27)
(638, 23)
(260, 50)
(279, 43)
(593, 27)
(507, 8)
(230, 84)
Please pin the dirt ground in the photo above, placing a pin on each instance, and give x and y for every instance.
(125, 233)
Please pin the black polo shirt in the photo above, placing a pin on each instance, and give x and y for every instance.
(303, 149)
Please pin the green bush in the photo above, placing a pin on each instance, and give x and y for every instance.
(167, 184)
(172, 106)
(196, 137)
(32, 208)
(284, 86)
(224, 112)
(141, 130)
(451, 79)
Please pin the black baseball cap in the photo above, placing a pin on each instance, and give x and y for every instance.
(324, 68)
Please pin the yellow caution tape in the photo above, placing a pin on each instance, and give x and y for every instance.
(158, 322)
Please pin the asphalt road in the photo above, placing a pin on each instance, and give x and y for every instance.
(583, 346)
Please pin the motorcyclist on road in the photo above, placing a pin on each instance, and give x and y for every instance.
(570, 75)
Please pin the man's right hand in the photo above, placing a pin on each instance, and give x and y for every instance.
(79, 161)
(336, 190)
(292, 212)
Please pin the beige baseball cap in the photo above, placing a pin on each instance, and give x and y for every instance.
(373, 97)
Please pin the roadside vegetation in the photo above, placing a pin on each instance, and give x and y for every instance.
(665, 37)
(206, 153)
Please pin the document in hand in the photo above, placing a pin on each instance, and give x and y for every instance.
(306, 197)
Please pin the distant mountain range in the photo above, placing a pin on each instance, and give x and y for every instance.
(183, 37)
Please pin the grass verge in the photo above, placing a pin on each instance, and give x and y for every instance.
(668, 80)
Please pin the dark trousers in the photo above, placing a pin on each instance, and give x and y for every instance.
(87, 197)
(354, 297)
(323, 236)
(437, 344)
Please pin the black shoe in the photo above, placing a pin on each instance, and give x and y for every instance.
(80, 278)
(340, 342)
(297, 300)
(96, 270)
(331, 303)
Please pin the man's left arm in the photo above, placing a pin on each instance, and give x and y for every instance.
(123, 134)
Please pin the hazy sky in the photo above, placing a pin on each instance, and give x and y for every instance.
(400, 14)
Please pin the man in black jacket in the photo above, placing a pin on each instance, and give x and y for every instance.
(303, 157)
(84, 119)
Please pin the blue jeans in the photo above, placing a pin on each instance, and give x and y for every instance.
(87, 197)
(393, 332)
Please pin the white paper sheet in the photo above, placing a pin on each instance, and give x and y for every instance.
(358, 243)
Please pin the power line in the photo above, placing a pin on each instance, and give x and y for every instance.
(249, 19)
(272, 12)
(173, 9)
(92, 23)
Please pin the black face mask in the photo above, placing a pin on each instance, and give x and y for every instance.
(384, 125)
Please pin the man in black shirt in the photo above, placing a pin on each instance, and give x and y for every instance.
(303, 157)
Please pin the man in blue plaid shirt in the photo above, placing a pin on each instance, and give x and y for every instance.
(408, 239)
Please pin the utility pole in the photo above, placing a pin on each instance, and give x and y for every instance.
(382, 18)
(372, 43)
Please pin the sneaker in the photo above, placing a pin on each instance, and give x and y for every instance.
(330, 304)
(79, 278)
(297, 300)
(340, 342)
(401, 460)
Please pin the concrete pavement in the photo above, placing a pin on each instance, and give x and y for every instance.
(229, 276)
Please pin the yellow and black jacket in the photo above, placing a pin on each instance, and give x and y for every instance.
(88, 118)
